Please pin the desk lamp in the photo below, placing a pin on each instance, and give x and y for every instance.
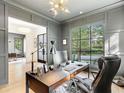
(32, 62)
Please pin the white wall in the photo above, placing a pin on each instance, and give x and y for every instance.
(30, 31)
(31, 44)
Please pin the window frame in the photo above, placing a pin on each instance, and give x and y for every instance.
(89, 27)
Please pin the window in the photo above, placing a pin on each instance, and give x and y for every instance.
(87, 42)
(18, 47)
(19, 44)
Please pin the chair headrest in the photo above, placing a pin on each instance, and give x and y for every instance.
(102, 60)
(100, 63)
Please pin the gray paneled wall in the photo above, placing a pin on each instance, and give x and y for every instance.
(54, 33)
(114, 34)
(114, 23)
(54, 29)
(3, 45)
(115, 19)
(67, 36)
(66, 28)
(2, 17)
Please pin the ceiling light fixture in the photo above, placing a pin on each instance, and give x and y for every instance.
(58, 6)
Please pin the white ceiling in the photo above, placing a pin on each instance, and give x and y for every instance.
(75, 6)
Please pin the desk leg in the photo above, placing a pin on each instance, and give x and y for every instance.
(27, 85)
(73, 89)
(88, 71)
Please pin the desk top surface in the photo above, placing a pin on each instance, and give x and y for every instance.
(71, 68)
(52, 77)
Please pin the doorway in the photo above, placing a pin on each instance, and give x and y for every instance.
(23, 40)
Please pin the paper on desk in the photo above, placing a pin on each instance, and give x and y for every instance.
(69, 68)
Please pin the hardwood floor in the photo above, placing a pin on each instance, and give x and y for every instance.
(17, 79)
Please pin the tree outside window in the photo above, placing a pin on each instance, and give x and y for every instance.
(88, 42)
(19, 44)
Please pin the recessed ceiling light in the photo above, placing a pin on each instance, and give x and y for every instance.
(81, 12)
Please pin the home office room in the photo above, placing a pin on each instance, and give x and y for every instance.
(61, 46)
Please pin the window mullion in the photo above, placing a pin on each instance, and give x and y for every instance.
(80, 45)
(90, 43)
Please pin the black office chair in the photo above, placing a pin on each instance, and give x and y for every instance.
(108, 67)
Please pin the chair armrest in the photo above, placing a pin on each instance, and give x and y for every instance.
(85, 81)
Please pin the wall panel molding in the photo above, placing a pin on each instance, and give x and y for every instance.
(3, 44)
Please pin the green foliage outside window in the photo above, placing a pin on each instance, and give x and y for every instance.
(87, 40)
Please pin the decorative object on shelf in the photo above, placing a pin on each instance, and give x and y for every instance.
(45, 68)
(58, 6)
(42, 53)
(51, 67)
(53, 49)
(64, 42)
(68, 62)
(39, 71)
(32, 62)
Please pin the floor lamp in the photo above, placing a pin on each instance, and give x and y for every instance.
(53, 49)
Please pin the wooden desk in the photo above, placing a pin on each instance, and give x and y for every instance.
(77, 68)
(51, 80)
